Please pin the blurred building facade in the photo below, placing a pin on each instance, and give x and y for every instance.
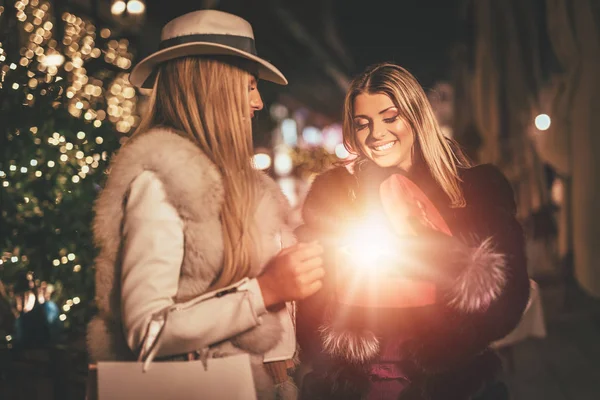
(526, 99)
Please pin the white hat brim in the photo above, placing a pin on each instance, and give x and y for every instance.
(140, 73)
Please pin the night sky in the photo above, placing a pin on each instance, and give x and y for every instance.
(414, 33)
(417, 34)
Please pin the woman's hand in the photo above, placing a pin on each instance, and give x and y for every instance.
(293, 274)
(432, 255)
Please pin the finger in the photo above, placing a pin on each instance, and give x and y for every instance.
(316, 274)
(422, 229)
(310, 264)
(293, 248)
(313, 288)
(415, 223)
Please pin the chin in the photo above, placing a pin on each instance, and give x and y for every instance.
(385, 162)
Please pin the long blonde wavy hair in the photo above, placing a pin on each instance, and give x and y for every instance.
(206, 100)
(442, 156)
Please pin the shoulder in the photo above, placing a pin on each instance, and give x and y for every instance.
(148, 199)
(269, 188)
(164, 151)
(328, 194)
(186, 173)
(333, 180)
(486, 185)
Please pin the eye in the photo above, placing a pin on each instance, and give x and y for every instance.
(390, 120)
(360, 127)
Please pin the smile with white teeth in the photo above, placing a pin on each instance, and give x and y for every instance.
(384, 146)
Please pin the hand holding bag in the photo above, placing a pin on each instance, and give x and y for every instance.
(207, 378)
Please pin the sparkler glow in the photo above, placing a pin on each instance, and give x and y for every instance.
(370, 269)
(369, 243)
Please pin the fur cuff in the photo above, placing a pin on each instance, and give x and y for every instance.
(261, 338)
(355, 347)
(482, 279)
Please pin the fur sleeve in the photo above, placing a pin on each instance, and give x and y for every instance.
(328, 200)
(325, 207)
(465, 329)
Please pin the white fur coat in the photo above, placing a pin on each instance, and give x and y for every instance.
(194, 187)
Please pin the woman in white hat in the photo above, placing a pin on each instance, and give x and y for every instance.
(187, 229)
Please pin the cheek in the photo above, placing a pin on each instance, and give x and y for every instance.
(402, 131)
(361, 138)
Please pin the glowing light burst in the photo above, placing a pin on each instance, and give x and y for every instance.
(368, 243)
(365, 254)
(374, 267)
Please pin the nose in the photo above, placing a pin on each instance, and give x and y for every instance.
(256, 102)
(379, 131)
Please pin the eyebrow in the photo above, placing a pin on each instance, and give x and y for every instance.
(380, 112)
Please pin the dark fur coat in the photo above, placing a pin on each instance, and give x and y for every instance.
(447, 353)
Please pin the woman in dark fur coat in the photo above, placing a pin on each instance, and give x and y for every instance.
(476, 262)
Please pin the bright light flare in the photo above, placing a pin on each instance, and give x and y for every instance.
(118, 7)
(542, 122)
(136, 6)
(368, 243)
(53, 60)
(261, 161)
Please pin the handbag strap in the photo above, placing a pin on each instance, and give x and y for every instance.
(278, 370)
(158, 320)
(155, 328)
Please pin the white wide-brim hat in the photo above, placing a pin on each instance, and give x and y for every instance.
(205, 32)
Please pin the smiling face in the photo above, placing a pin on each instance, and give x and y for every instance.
(381, 133)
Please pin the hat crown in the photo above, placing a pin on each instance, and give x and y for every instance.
(207, 22)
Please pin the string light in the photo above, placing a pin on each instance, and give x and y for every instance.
(48, 57)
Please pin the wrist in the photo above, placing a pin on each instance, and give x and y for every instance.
(268, 295)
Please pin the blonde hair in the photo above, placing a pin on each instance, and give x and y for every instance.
(442, 156)
(206, 100)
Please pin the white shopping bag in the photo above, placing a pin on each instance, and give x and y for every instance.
(208, 378)
(223, 378)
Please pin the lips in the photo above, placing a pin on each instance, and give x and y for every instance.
(383, 146)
